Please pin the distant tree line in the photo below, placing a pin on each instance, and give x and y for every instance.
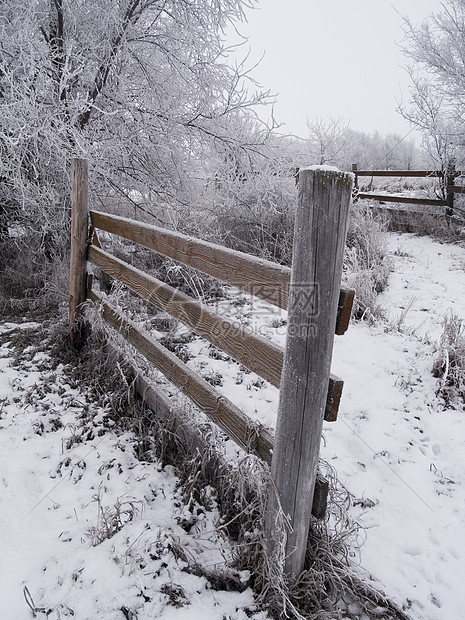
(332, 141)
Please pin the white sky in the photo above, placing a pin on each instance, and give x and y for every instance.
(334, 58)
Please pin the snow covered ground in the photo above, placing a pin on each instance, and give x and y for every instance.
(68, 480)
(395, 447)
(87, 530)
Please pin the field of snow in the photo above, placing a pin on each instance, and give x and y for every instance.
(395, 446)
(88, 531)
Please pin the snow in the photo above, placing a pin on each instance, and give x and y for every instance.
(394, 442)
(428, 280)
(396, 447)
(322, 167)
(63, 475)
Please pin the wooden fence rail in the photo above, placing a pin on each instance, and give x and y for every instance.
(397, 173)
(262, 278)
(317, 309)
(449, 177)
(258, 354)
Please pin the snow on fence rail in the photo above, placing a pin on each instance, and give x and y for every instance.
(317, 309)
(449, 177)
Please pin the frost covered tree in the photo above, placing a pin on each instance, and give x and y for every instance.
(142, 88)
(255, 195)
(436, 53)
(328, 140)
(332, 141)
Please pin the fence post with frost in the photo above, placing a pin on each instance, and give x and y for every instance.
(449, 181)
(78, 262)
(319, 239)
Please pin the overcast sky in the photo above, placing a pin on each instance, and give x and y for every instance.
(334, 58)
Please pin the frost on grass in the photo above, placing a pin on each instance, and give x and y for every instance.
(366, 262)
(105, 533)
(449, 366)
(178, 532)
(89, 530)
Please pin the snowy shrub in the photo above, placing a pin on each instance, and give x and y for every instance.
(30, 284)
(366, 266)
(449, 367)
(259, 219)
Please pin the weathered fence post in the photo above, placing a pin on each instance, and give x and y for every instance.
(79, 233)
(319, 241)
(449, 182)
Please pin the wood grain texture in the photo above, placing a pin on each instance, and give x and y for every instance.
(78, 258)
(258, 354)
(250, 436)
(264, 279)
(319, 242)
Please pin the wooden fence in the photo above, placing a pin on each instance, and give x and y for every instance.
(317, 309)
(448, 181)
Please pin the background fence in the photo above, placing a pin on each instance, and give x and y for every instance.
(448, 186)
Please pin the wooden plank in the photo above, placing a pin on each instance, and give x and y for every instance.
(319, 242)
(251, 437)
(398, 173)
(79, 230)
(264, 279)
(333, 398)
(403, 199)
(258, 354)
(344, 310)
(320, 497)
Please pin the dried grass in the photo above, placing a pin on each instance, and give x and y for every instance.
(329, 587)
(111, 519)
(35, 273)
(366, 262)
(449, 367)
